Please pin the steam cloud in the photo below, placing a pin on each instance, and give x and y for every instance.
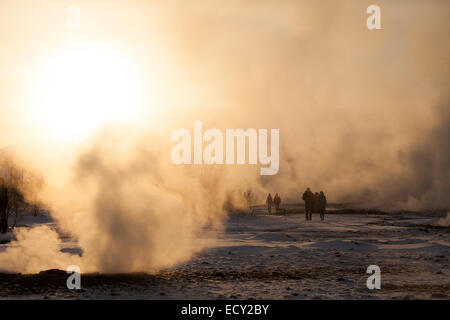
(363, 115)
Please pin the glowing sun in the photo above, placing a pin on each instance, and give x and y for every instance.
(80, 89)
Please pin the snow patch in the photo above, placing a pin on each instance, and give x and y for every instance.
(444, 222)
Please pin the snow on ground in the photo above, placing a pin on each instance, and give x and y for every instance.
(26, 220)
(285, 257)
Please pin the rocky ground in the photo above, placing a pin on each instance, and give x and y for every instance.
(282, 257)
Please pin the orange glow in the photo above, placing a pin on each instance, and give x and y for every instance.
(81, 88)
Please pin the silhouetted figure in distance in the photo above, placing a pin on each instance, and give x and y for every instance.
(322, 205)
(308, 197)
(269, 202)
(316, 208)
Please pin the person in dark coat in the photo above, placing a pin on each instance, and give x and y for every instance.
(269, 203)
(276, 202)
(316, 202)
(322, 205)
(308, 197)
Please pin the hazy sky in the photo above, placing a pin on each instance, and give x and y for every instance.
(363, 114)
(351, 104)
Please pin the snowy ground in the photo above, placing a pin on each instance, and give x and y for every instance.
(283, 257)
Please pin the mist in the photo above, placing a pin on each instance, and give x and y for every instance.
(363, 115)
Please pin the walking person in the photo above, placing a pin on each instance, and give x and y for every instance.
(316, 207)
(269, 203)
(322, 205)
(277, 201)
(308, 197)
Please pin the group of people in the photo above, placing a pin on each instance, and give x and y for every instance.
(275, 201)
(314, 203)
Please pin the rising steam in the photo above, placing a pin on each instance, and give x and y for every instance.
(363, 115)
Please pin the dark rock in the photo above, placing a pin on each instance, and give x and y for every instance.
(53, 272)
(439, 295)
